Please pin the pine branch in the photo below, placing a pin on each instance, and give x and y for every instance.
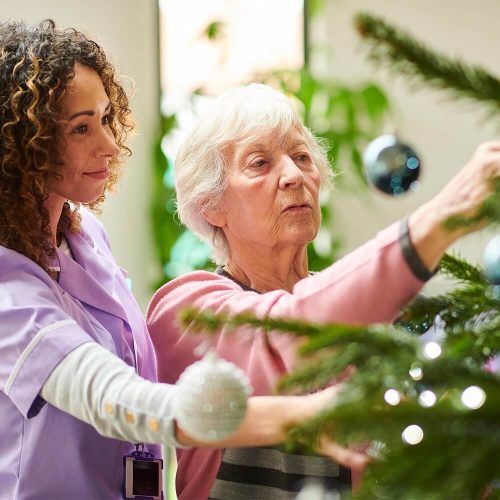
(421, 314)
(467, 304)
(381, 339)
(412, 58)
(457, 440)
(211, 322)
(321, 370)
(477, 341)
(460, 469)
(360, 417)
(435, 466)
(459, 269)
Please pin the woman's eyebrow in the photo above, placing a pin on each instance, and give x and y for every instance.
(297, 142)
(87, 112)
(250, 148)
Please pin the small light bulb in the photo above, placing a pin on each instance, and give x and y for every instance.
(473, 397)
(413, 434)
(392, 397)
(427, 399)
(416, 373)
(432, 350)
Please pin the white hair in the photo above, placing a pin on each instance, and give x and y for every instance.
(239, 115)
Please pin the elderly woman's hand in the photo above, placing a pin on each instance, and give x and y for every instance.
(352, 457)
(462, 196)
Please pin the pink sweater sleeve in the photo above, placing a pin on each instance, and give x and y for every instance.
(368, 285)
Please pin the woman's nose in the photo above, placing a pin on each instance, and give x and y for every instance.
(291, 175)
(107, 143)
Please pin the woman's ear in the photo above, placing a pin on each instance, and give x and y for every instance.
(214, 216)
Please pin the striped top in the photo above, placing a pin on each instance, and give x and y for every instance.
(270, 473)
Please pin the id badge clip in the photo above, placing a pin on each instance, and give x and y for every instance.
(143, 475)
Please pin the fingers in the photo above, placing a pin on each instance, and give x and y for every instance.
(490, 146)
(347, 457)
(465, 194)
(486, 159)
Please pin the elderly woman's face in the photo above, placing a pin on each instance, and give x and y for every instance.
(272, 193)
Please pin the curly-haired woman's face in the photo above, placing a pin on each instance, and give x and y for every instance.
(88, 144)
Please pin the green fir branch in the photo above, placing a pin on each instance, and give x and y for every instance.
(468, 303)
(320, 371)
(449, 429)
(385, 357)
(478, 340)
(382, 339)
(211, 322)
(365, 418)
(454, 266)
(410, 57)
(433, 470)
(421, 313)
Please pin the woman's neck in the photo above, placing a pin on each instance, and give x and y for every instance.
(270, 269)
(54, 205)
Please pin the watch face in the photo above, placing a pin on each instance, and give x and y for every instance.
(143, 478)
(146, 478)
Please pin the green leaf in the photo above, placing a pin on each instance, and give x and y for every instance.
(215, 30)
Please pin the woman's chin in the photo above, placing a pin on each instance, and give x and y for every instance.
(302, 238)
(87, 198)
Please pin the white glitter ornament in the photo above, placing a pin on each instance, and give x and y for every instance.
(212, 398)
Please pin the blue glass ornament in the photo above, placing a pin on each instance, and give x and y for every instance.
(391, 166)
(492, 260)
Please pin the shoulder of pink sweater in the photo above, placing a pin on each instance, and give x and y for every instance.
(264, 358)
(186, 290)
(206, 290)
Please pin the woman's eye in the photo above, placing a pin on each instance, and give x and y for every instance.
(81, 129)
(106, 120)
(258, 163)
(303, 157)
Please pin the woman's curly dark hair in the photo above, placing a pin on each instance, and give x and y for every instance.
(37, 63)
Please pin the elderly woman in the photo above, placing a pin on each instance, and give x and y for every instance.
(248, 180)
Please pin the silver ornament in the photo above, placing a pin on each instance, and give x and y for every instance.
(492, 260)
(391, 166)
(212, 398)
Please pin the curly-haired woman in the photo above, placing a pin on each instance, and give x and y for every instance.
(77, 368)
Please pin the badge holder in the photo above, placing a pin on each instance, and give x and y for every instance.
(143, 475)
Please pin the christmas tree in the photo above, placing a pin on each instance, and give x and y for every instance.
(426, 391)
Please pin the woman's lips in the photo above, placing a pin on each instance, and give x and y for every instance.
(99, 174)
(297, 208)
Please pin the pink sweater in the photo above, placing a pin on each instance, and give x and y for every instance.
(369, 285)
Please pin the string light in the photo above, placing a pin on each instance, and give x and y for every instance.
(416, 373)
(413, 434)
(473, 397)
(427, 399)
(432, 350)
(392, 397)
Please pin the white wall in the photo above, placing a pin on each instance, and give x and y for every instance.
(443, 131)
(127, 29)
